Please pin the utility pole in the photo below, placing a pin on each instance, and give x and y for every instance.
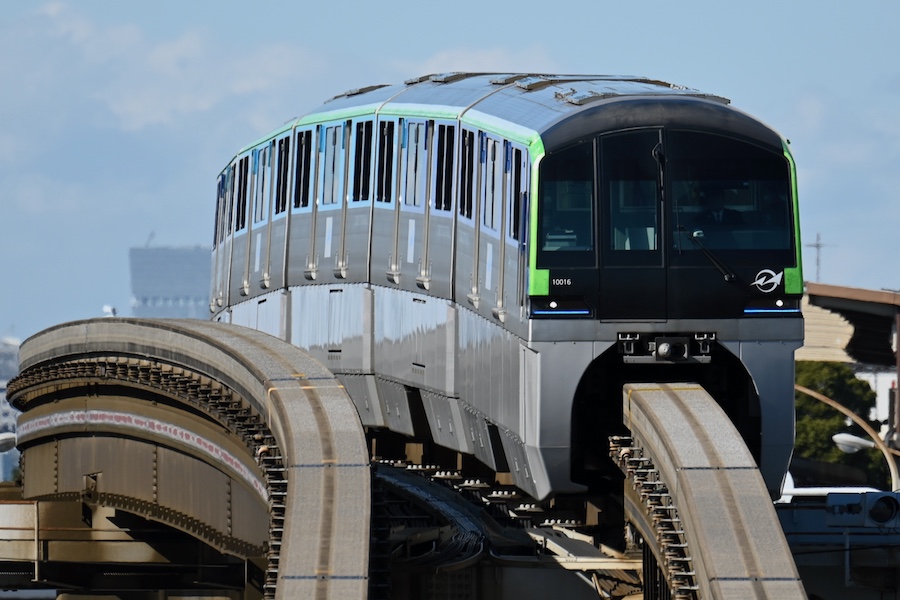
(818, 246)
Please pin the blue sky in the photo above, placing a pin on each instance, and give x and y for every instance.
(115, 117)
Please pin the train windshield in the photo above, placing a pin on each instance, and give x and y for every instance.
(657, 197)
(727, 195)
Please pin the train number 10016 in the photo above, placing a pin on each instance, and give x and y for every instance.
(561, 281)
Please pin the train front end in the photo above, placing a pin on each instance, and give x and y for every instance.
(665, 247)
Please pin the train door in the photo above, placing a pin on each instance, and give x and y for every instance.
(632, 273)
(353, 257)
(511, 285)
(330, 204)
(490, 243)
(301, 227)
(273, 270)
(260, 202)
(221, 258)
(238, 287)
(385, 212)
(466, 288)
(413, 202)
(435, 271)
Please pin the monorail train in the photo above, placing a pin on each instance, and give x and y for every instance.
(484, 260)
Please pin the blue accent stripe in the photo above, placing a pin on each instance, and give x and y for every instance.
(779, 311)
(562, 312)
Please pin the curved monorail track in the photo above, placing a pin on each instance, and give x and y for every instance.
(693, 491)
(698, 500)
(292, 416)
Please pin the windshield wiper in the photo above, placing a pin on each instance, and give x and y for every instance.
(718, 264)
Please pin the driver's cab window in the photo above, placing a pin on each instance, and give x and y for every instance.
(566, 219)
(728, 195)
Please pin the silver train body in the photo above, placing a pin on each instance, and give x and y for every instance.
(499, 253)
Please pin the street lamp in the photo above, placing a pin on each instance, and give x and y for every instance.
(877, 441)
(851, 444)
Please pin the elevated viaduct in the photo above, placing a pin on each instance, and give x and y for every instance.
(191, 454)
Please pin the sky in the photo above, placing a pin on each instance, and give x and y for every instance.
(116, 117)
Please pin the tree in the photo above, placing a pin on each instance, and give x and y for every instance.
(817, 422)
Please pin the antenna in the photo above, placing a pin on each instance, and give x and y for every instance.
(818, 246)
(150, 239)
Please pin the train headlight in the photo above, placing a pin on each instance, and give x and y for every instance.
(672, 348)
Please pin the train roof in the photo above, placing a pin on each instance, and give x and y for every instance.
(521, 106)
(531, 101)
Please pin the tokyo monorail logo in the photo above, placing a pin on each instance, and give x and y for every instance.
(767, 280)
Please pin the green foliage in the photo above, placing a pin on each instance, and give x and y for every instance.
(817, 422)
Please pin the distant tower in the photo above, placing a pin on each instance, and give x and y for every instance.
(170, 282)
(9, 367)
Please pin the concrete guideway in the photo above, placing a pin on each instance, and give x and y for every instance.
(692, 471)
(217, 402)
(316, 471)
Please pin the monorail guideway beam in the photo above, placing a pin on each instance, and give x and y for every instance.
(209, 398)
(696, 497)
(693, 491)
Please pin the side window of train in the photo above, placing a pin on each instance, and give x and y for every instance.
(303, 168)
(493, 161)
(566, 207)
(362, 162)
(331, 147)
(283, 157)
(415, 147)
(517, 181)
(261, 166)
(242, 181)
(220, 208)
(470, 155)
(445, 156)
(386, 159)
(229, 203)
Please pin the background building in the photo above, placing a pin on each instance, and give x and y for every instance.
(170, 282)
(858, 327)
(9, 366)
(166, 282)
